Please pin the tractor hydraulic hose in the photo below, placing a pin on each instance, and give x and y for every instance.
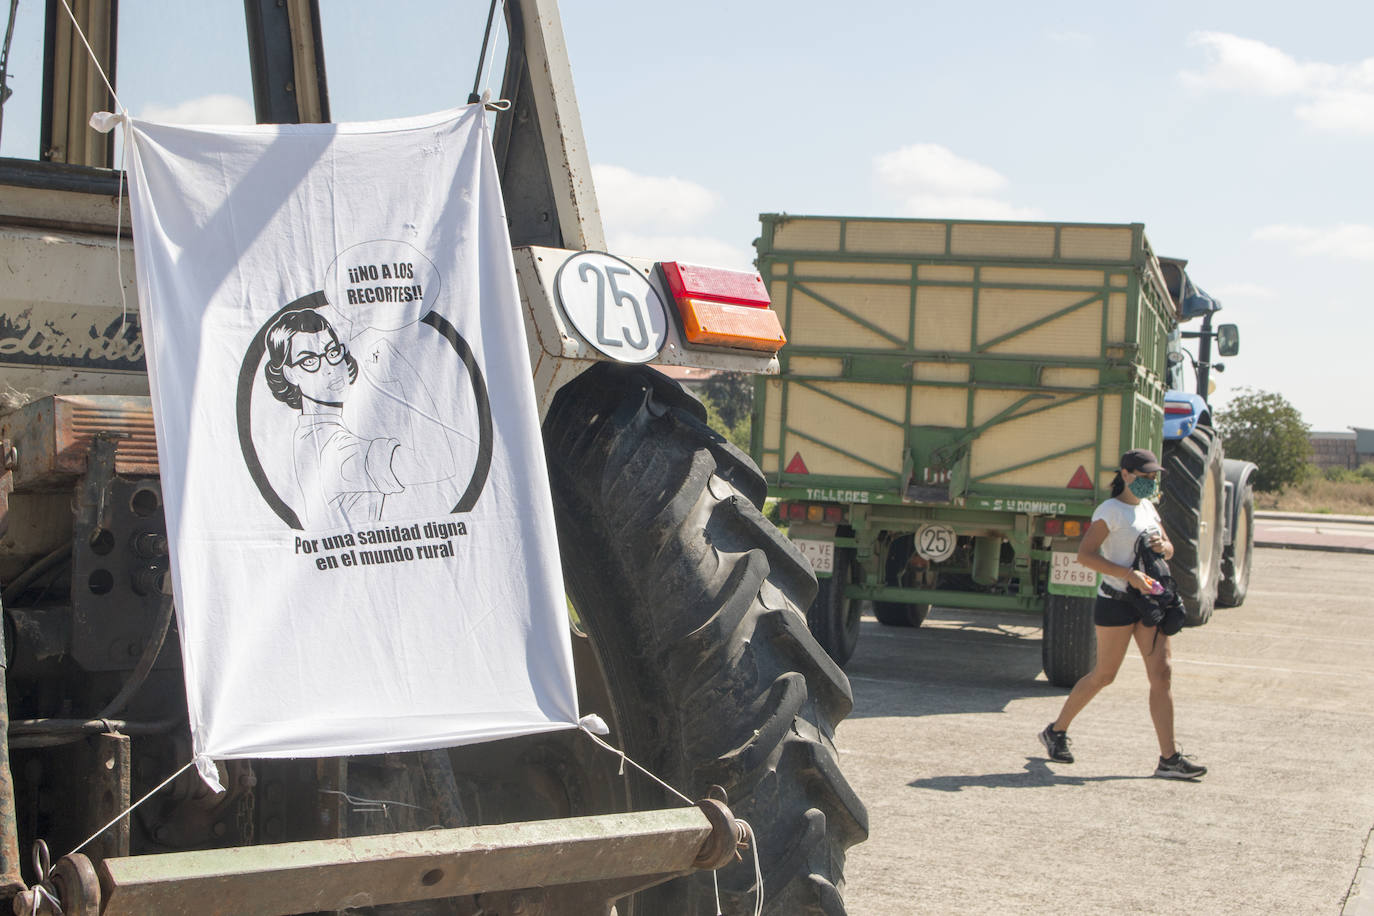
(151, 650)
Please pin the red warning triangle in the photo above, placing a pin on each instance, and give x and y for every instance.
(796, 465)
(1081, 480)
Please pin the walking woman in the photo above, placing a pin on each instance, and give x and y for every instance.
(1109, 548)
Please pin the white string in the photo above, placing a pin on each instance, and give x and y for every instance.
(625, 758)
(491, 51)
(95, 60)
(119, 230)
(123, 151)
(130, 809)
(748, 830)
(40, 893)
(758, 868)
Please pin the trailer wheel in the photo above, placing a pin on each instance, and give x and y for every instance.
(896, 571)
(1193, 509)
(690, 599)
(1236, 558)
(1068, 639)
(896, 614)
(832, 618)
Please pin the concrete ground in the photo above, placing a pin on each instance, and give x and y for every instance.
(968, 815)
(1310, 531)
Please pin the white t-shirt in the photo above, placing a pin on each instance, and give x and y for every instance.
(1125, 523)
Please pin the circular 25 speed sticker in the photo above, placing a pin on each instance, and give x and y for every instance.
(613, 306)
(935, 542)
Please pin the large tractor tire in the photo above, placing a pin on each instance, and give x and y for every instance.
(832, 618)
(897, 571)
(694, 650)
(1068, 639)
(690, 600)
(1193, 510)
(1236, 558)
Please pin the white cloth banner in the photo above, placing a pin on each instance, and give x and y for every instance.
(362, 537)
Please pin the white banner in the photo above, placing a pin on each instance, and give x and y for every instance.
(362, 538)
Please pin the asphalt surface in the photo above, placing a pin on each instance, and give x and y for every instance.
(1302, 531)
(968, 815)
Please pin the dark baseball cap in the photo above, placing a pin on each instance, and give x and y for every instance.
(1140, 459)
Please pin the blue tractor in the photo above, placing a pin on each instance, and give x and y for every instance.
(1208, 505)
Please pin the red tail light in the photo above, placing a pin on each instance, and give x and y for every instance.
(724, 308)
(690, 281)
(1176, 409)
(1054, 527)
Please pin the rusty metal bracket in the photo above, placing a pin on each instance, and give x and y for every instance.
(92, 512)
(727, 834)
(72, 884)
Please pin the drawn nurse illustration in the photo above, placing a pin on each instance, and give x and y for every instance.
(345, 478)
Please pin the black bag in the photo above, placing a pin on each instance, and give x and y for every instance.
(1164, 610)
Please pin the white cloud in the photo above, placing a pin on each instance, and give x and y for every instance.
(955, 206)
(693, 249)
(1349, 241)
(629, 200)
(1334, 97)
(932, 180)
(209, 109)
(1348, 111)
(1246, 64)
(660, 218)
(929, 167)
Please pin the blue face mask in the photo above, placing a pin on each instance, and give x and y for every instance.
(1144, 488)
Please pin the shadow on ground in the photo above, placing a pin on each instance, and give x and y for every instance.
(959, 661)
(1036, 774)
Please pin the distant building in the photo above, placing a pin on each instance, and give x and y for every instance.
(1364, 445)
(1335, 450)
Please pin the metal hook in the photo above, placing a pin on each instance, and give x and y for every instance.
(42, 860)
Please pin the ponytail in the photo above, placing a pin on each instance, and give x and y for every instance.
(1118, 485)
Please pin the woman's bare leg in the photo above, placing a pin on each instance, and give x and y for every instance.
(1159, 667)
(1111, 649)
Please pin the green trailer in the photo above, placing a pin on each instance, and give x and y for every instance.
(953, 399)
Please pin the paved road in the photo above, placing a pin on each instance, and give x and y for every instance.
(1315, 532)
(968, 816)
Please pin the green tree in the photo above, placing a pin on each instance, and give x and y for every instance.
(737, 433)
(733, 395)
(1262, 427)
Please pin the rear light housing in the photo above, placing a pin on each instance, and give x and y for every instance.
(811, 512)
(1177, 408)
(723, 308)
(1068, 528)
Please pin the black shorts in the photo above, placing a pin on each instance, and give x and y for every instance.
(1114, 612)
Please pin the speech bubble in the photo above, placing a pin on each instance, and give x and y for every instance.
(383, 284)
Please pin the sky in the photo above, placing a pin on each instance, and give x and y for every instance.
(1240, 133)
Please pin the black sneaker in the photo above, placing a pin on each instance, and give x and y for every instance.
(1057, 744)
(1179, 767)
